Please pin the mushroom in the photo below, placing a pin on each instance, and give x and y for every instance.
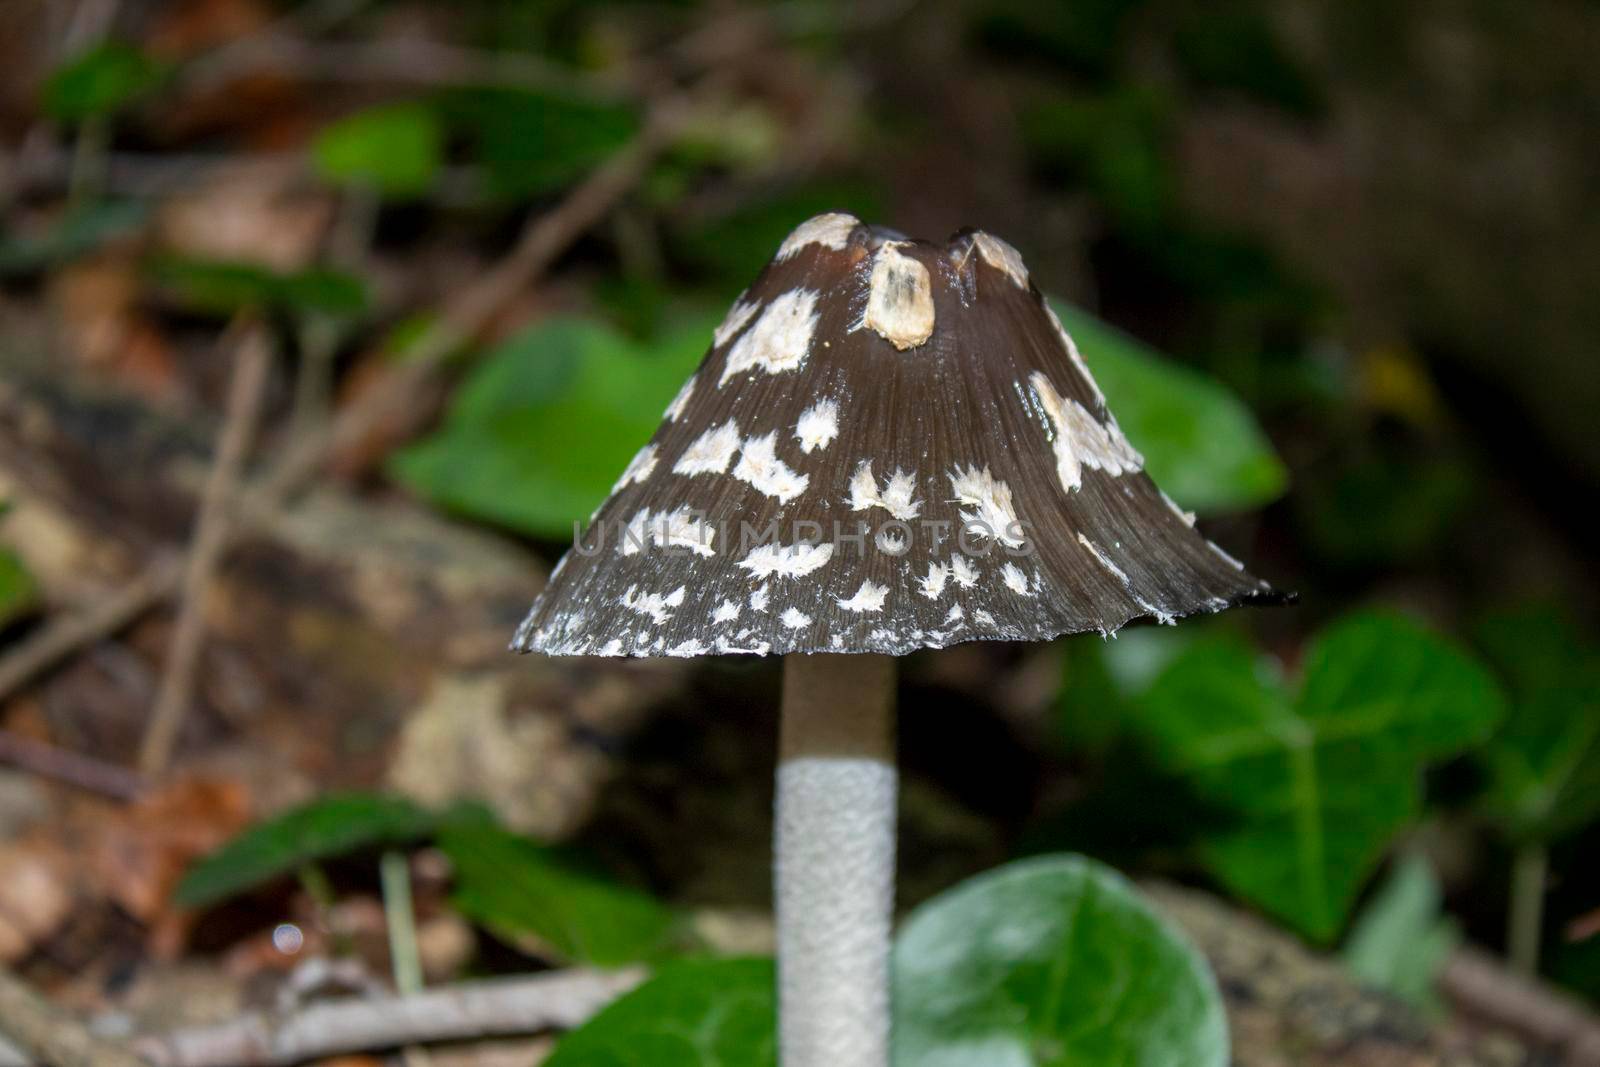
(891, 445)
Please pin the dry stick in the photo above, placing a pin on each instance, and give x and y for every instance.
(64, 765)
(50, 1036)
(245, 391)
(1479, 984)
(61, 638)
(557, 1000)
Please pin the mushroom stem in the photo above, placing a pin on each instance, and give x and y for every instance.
(834, 871)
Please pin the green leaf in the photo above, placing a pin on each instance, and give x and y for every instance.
(100, 81)
(1321, 780)
(1200, 443)
(516, 887)
(1544, 763)
(336, 824)
(1055, 962)
(543, 427)
(700, 1013)
(534, 142)
(1401, 939)
(224, 287)
(396, 150)
(18, 593)
(79, 230)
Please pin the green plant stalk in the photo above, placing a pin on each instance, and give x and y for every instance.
(1525, 923)
(395, 874)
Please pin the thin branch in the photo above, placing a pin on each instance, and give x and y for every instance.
(71, 768)
(71, 633)
(46, 1034)
(556, 1000)
(245, 391)
(1479, 984)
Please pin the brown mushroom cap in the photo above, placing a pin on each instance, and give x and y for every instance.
(890, 445)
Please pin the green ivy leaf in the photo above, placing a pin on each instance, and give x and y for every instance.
(99, 81)
(1054, 962)
(541, 429)
(514, 886)
(1320, 780)
(1401, 940)
(1544, 763)
(225, 287)
(1200, 443)
(700, 1013)
(332, 826)
(395, 150)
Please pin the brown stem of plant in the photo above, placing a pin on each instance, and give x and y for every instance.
(68, 767)
(1479, 984)
(243, 413)
(47, 1035)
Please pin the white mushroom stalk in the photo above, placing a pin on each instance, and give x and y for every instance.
(834, 838)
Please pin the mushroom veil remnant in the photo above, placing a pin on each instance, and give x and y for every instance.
(891, 445)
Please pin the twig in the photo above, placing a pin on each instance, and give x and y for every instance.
(556, 1000)
(543, 240)
(245, 391)
(64, 765)
(61, 638)
(1479, 985)
(1525, 920)
(47, 1034)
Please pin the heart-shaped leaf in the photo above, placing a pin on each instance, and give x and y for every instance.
(693, 1013)
(1320, 780)
(1051, 962)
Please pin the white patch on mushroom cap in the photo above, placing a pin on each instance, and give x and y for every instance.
(818, 425)
(726, 611)
(692, 647)
(1001, 256)
(758, 600)
(795, 619)
(992, 514)
(955, 614)
(962, 570)
(896, 497)
(983, 617)
(1072, 352)
(682, 527)
(1186, 516)
(932, 584)
(613, 647)
(869, 597)
(681, 401)
(780, 339)
(1235, 564)
(654, 605)
(711, 452)
(640, 468)
(836, 641)
(1079, 440)
(786, 561)
(1015, 580)
(1094, 550)
(734, 321)
(900, 298)
(831, 231)
(760, 466)
(892, 542)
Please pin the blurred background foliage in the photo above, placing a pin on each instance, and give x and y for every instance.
(1331, 262)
